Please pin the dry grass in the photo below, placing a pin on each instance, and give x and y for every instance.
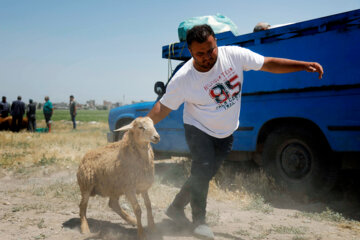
(62, 146)
(244, 183)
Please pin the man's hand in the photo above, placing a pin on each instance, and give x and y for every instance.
(315, 67)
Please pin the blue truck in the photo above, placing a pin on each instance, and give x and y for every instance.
(299, 128)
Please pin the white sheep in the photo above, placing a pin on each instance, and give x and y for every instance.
(124, 167)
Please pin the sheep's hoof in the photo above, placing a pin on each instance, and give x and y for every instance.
(85, 229)
(142, 236)
(85, 232)
(152, 227)
(132, 221)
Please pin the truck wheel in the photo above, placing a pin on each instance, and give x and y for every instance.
(299, 161)
(119, 124)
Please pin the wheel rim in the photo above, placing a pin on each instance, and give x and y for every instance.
(295, 160)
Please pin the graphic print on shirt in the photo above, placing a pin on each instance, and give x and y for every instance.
(225, 89)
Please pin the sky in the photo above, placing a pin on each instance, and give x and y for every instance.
(112, 50)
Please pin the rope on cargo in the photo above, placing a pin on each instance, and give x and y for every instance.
(182, 49)
(171, 47)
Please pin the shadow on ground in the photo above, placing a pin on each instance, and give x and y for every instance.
(101, 229)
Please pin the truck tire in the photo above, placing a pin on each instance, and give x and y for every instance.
(299, 161)
(119, 124)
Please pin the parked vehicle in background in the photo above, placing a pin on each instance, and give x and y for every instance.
(299, 128)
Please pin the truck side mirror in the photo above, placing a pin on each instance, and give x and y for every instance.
(159, 88)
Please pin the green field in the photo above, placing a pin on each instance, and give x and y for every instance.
(82, 115)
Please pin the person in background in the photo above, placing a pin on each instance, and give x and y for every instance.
(261, 26)
(30, 113)
(4, 108)
(48, 112)
(209, 85)
(72, 107)
(17, 113)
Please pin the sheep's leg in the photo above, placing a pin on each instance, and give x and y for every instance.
(83, 206)
(131, 196)
(150, 217)
(114, 205)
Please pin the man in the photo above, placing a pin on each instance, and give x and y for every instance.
(4, 108)
(261, 26)
(17, 113)
(210, 85)
(48, 112)
(31, 115)
(73, 110)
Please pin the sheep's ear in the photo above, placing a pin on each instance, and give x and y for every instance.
(124, 128)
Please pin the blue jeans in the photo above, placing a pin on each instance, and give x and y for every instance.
(207, 155)
(73, 120)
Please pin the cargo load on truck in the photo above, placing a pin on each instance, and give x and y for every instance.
(219, 23)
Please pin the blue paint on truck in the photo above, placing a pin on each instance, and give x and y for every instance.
(311, 119)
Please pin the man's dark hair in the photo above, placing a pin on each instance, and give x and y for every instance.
(199, 33)
(19, 98)
(30, 101)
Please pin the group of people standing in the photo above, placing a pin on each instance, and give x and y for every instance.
(18, 109)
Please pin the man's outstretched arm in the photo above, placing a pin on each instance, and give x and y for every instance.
(283, 65)
(158, 112)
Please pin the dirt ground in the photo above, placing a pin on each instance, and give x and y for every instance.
(39, 196)
(41, 202)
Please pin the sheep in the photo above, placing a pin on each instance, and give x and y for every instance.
(124, 167)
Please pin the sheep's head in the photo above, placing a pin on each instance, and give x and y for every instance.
(143, 129)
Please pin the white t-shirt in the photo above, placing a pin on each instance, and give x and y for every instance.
(212, 99)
